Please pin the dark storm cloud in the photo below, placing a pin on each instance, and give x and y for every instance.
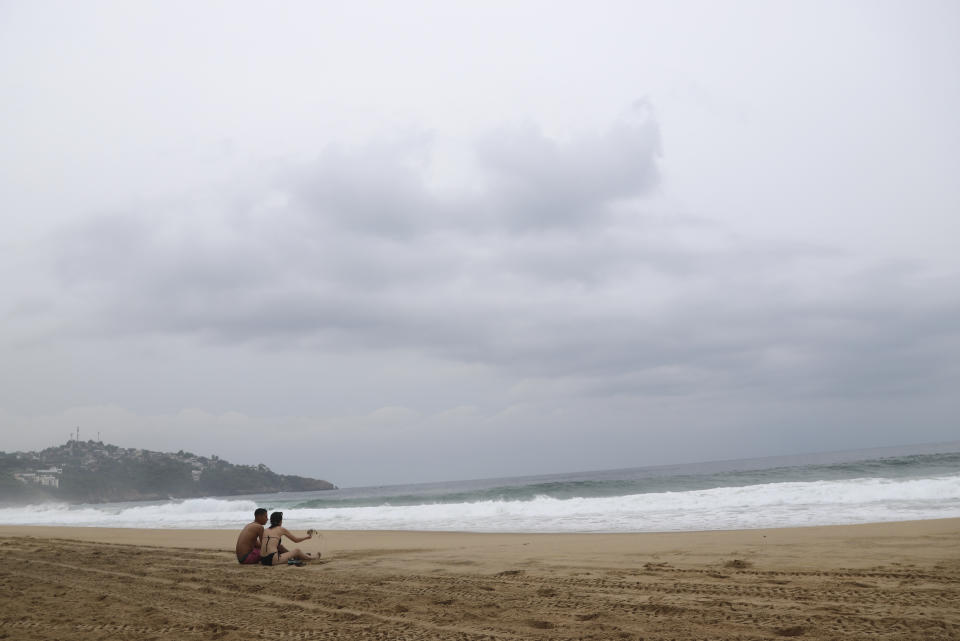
(554, 270)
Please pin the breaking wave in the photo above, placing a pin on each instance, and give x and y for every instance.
(783, 504)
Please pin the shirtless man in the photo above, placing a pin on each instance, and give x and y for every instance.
(248, 543)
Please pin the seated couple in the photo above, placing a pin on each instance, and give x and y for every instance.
(256, 545)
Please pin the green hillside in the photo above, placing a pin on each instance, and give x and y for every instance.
(93, 472)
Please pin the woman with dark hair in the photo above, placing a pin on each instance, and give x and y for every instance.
(270, 553)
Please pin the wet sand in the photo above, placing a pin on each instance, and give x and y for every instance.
(876, 581)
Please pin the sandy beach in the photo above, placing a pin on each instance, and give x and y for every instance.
(875, 581)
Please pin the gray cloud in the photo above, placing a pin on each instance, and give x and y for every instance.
(536, 183)
(358, 253)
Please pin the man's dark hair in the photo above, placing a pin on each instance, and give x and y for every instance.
(257, 512)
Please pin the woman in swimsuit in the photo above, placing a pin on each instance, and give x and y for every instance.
(270, 543)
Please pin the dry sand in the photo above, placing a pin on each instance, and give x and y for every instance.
(877, 581)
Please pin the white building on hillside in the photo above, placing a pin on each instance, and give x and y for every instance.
(43, 478)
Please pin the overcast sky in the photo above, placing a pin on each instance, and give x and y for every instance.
(380, 242)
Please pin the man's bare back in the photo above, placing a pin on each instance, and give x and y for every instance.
(249, 539)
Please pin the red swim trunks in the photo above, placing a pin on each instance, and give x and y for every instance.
(252, 557)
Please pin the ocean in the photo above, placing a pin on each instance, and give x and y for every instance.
(891, 484)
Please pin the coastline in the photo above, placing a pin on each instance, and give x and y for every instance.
(818, 582)
(832, 543)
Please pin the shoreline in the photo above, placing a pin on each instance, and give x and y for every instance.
(830, 544)
(80, 528)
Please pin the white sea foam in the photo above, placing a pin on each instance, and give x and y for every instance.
(192, 513)
(753, 506)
